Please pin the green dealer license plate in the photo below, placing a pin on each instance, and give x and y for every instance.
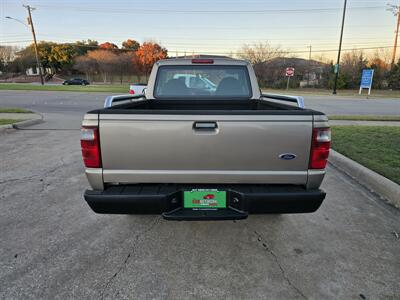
(201, 198)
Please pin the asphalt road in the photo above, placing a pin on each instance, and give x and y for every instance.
(65, 109)
(52, 246)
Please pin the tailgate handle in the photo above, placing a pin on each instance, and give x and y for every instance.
(205, 126)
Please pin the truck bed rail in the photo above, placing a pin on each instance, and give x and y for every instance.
(119, 98)
(295, 99)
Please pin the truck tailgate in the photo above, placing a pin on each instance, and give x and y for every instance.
(188, 149)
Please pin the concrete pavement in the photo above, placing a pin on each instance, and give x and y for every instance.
(53, 246)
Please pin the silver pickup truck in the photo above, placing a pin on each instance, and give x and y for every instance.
(215, 149)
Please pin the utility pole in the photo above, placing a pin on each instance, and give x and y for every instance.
(340, 48)
(30, 22)
(309, 66)
(396, 11)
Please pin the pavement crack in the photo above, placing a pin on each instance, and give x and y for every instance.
(19, 179)
(277, 261)
(140, 234)
(42, 175)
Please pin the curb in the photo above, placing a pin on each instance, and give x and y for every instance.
(22, 124)
(5, 127)
(373, 181)
(27, 123)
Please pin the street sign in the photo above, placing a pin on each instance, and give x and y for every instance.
(366, 80)
(289, 72)
(336, 68)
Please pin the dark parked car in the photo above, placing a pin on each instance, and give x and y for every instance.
(76, 81)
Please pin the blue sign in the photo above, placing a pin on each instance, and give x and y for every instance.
(366, 79)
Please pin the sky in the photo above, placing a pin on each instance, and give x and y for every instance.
(207, 26)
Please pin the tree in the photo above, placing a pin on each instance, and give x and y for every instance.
(44, 52)
(259, 52)
(147, 55)
(342, 82)
(7, 55)
(130, 45)
(381, 66)
(351, 67)
(25, 59)
(108, 46)
(82, 47)
(86, 65)
(394, 77)
(124, 64)
(105, 61)
(62, 57)
(381, 69)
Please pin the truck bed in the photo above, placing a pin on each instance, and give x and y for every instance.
(208, 107)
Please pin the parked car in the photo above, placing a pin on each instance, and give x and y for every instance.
(193, 153)
(76, 81)
(137, 88)
(197, 82)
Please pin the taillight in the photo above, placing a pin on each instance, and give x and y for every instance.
(90, 145)
(320, 145)
(131, 92)
(202, 61)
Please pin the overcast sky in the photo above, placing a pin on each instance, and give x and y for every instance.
(205, 26)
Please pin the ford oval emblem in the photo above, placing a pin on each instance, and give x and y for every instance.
(287, 156)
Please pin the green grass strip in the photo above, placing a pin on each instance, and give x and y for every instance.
(375, 147)
(14, 110)
(364, 118)
(8, 121)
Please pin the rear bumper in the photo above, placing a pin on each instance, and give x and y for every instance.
(167, 199)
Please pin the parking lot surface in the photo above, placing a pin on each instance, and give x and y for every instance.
(53, 246)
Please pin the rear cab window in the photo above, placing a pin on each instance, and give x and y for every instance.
(202, 82)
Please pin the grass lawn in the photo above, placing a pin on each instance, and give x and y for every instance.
(14, 110)
(8, 121)
(110, 88)
(365, 118)
(375, 147)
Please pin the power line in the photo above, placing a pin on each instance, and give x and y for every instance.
(166, 38)
(255, 27)
(169, 11)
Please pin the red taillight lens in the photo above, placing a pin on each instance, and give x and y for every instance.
(321, 143)
(132, 92)
(90, 145)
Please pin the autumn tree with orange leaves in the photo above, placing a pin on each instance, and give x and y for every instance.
(147, 55)
(108, 46)
(130, 45)
(108, 61)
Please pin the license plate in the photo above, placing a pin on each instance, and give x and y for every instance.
(206, 199)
